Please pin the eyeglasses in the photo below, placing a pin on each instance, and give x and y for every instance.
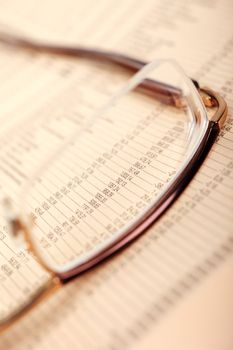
(112, 170)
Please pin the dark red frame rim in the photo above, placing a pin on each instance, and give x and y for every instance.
(157, 210)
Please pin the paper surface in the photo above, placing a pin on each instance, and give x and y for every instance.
(119, 304)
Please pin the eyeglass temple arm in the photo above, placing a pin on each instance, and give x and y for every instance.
(163, 92)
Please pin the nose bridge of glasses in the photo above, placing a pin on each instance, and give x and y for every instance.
(39, 296)
(20, 233)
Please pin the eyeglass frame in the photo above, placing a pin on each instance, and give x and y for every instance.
(163, 93)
